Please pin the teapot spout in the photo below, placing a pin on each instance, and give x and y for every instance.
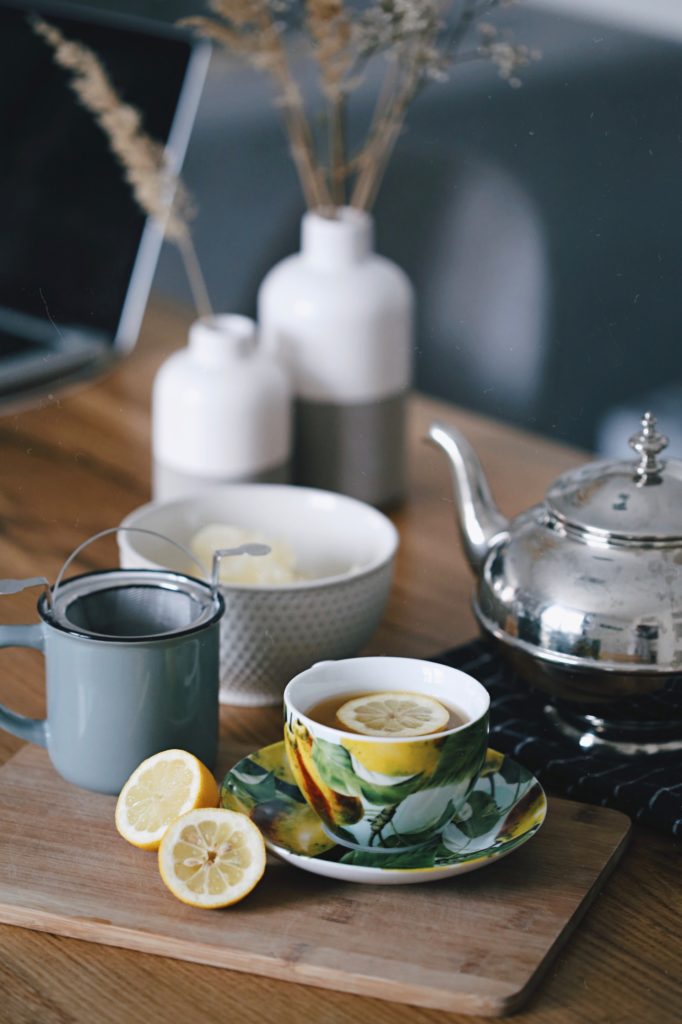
(480, 522)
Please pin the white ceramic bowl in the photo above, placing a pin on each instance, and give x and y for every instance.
(271, 633)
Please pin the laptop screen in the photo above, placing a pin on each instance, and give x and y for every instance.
(70, 231)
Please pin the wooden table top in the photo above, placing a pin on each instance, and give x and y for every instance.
(76, 464)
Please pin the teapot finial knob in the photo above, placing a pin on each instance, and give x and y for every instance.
(648, 444)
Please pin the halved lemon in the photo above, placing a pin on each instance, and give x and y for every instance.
(212, 857)
(162, 788)
(393, 714)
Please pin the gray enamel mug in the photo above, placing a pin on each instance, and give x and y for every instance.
(132, 668)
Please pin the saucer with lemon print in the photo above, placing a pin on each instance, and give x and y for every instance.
(504, 810)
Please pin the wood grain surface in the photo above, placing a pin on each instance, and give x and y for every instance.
(78, 463)
(473, 944)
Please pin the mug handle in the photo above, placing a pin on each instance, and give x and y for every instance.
(32, 729)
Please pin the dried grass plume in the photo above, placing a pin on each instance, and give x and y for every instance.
(158, 192)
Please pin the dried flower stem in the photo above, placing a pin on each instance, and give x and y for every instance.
(417, 37)
(300, 141)
(195, 276)
(247, 28)
(416, 59)
(330, 30)
(379, 148)
(421, 40)
(337, 150)
(157, 191)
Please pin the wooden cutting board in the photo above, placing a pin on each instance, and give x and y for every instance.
(477, 943)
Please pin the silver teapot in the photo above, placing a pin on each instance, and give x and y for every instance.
(582, 593)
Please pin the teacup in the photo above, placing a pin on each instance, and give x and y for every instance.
(385, 792)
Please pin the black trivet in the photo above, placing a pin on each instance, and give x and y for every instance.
(646, 787)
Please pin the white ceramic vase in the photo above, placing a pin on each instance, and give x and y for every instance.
(341, 318)
(221, 411)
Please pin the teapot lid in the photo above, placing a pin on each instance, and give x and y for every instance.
(624, 501)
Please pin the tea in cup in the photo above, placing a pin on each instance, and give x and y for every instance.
(385, 750)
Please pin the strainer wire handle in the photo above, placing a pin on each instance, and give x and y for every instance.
(120, 529)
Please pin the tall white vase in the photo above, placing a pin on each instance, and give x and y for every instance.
(341, 318)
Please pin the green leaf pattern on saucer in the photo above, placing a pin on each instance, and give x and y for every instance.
(506, 808)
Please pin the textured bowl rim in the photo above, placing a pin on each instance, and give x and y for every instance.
(322, 582)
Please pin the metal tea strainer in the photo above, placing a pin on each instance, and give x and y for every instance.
(132, 604)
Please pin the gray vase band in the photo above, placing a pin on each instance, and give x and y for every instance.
(356, 449)
(111, 702)
(169, 483)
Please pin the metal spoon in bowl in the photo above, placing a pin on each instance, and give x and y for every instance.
(243, 549)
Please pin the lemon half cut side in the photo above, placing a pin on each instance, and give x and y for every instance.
(160, 789)
(393, 714)
(212, 857)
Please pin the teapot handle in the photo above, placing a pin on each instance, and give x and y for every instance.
(32, 729)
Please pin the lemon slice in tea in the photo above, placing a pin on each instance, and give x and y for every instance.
(162, 788)
(212, 857)
(393, 714)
